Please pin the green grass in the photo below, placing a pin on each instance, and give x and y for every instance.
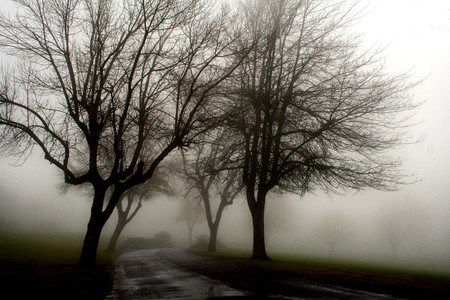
(33, 265)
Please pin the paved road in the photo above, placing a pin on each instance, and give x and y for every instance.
(176, 274)
(147, 275)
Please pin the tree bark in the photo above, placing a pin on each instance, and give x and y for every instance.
(90, 245)
(257, 212)
(212, 244)
(259, 245)
(95, 226)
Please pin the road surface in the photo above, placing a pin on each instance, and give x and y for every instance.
(176, 274)
(147, 274)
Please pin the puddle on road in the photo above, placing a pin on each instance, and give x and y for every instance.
(145, 275)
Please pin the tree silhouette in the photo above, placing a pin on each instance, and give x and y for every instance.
(210, 171)
(311, 109)
(190, 212)
(334, 230)
(400, 223)
(101, 81)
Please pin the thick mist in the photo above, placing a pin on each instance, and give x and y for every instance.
(409, 227)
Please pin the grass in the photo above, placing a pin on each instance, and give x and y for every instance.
(33, 265)
(378, 278)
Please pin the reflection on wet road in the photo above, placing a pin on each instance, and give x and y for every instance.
(146, 275)
(175, 274)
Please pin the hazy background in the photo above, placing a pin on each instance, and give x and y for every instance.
(417, 35)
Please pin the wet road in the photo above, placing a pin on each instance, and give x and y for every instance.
(147, 275)
(176, 274)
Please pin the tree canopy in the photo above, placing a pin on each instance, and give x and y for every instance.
(107, 89)
(311, 109)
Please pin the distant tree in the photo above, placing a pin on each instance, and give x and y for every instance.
(400, 223)
(210, 171)
(334, 230)
(101, 81)
(190, 213)
(311, 109)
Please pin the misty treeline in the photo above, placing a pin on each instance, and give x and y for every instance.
(251, 97)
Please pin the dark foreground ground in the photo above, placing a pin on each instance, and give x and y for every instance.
(38, 266)
(55, 281)
(34, 267)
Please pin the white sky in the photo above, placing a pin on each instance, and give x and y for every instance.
(418, 33)
(418, 36)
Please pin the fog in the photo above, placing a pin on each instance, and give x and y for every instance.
(305, 226)
(352, 226)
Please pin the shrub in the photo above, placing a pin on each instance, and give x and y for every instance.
(160, 240)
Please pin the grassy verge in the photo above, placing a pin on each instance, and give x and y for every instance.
(33, 265)
(416, 284)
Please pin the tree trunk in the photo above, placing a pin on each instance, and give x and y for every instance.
(89, 251)
(94, 229)
(257, 207)
(212, 244)
(214, 226)
(121, 223)
(191, 229)
(259, 245)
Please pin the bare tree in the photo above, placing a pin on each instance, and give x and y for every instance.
(190, 213)
(401, 223)
(100, 81)
(312, 110)
(334, 230)
(210, 171)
